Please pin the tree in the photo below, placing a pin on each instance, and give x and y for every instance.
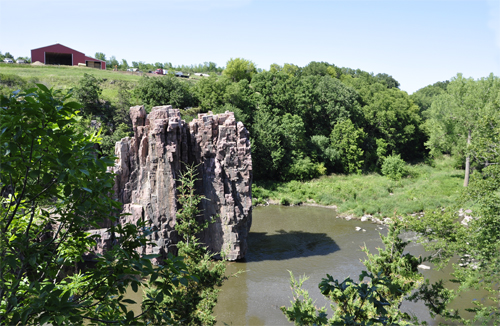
(238, 69)
(315, 68)
(425, 96)
(388, 80)
(88, 93)
(454, 119)
(164, 91)
(100, 56)
(112, 62)
(392, 120)
(210, 92)
(191, 302)
(124, 65)
(347, 140)
(53, 188)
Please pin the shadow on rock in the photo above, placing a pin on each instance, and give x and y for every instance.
(287, 245)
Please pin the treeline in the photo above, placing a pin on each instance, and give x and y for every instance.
(304, 122)
(10, 56)
(319, 119)
(113, 63)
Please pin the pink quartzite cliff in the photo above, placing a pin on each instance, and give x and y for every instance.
(150, 162)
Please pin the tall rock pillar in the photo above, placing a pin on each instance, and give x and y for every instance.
(150, 162)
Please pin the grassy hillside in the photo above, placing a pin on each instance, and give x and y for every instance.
(66, 77)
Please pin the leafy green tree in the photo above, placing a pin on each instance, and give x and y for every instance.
(8, 55)
(454, 118)
(124, 65)
(191, 302)
(239, 68)
(240, 96)
(392, 120)
(53, 189)
(210, 92)
(388, 80)
(288, 68)
(275, 93)
(88, 92)
(347, 140)
(112, 62)
(315, 68)
(425, 96)
(164, 91)
(100, 56)
(323, 101)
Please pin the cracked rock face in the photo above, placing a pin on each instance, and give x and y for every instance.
(150, 162)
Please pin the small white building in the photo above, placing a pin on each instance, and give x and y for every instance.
(21, 61)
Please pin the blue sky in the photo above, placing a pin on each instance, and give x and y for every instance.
(418, 42)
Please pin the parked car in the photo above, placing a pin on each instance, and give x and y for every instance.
(8, 60)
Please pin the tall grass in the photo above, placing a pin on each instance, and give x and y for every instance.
(426, 188)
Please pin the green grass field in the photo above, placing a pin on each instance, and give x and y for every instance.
(427, 189)
(61, 76)
(66, 77)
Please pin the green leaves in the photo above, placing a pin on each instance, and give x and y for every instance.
(238, 69)
(390, 276)
(54, 186)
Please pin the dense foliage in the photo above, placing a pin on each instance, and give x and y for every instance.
(54, 187)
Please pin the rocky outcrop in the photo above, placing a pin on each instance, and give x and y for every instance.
(150, 162)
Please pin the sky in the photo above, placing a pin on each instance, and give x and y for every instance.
(418, 42)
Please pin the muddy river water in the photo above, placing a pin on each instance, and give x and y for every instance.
(308, 241)
(304, 240)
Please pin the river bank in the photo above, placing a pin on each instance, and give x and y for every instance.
(428, 187)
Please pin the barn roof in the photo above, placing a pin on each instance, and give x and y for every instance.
(48, 46)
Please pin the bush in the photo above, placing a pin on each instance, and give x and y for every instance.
(88, 93)
(305, 169)
(394, 167)
(285, 201)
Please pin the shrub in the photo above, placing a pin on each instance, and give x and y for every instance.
(285, 201)
(305, 169)
(394, 167)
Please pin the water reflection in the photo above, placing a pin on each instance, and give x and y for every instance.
(287, 245)
(304, 240)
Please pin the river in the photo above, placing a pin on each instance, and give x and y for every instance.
(308, 241)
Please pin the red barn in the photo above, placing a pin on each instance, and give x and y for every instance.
(59, 54)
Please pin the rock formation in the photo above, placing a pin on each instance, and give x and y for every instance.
(150, 162)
